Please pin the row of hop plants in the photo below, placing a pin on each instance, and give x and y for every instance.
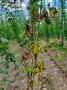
(10, 21)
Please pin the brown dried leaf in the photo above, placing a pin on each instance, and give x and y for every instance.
(44, 14)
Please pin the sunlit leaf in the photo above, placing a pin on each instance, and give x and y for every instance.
(50, 42)
(4, 40)
(34, 83)
(53, 55)
(28, 68)
(20, 35)
(59, 56)
(61, 65)
(36, 32)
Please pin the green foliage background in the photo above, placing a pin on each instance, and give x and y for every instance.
(12, 23)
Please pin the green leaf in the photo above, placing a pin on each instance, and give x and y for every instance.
(65, 52)
(50, 42)
(4, 79)
(1, 71)
(61, 65)
(13, 59)
(5, 72)
(1, 62)
(53, 55)
(4, 39)
(18, 73)
(36, 32)
(28, 68)
(7, 57)
(18, 59)
(19, 78)
(9, 52)
(6, 65)
(50, 80)
(59, 56)
(37, 64)
(16, 67)
(0, 49)
(20, 35)
(1, 88)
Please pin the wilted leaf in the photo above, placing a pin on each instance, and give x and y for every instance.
(37, 70)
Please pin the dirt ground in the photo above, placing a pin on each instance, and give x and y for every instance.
(54, 76)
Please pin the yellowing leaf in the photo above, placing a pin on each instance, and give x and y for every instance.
(50, 42)
(35, 49)
(45, 48)
(37, 70)
(61, 9)
(39, 60)
(34, 46)
(52, 12)
(42, 45)
(34, 83)
(33, 43)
